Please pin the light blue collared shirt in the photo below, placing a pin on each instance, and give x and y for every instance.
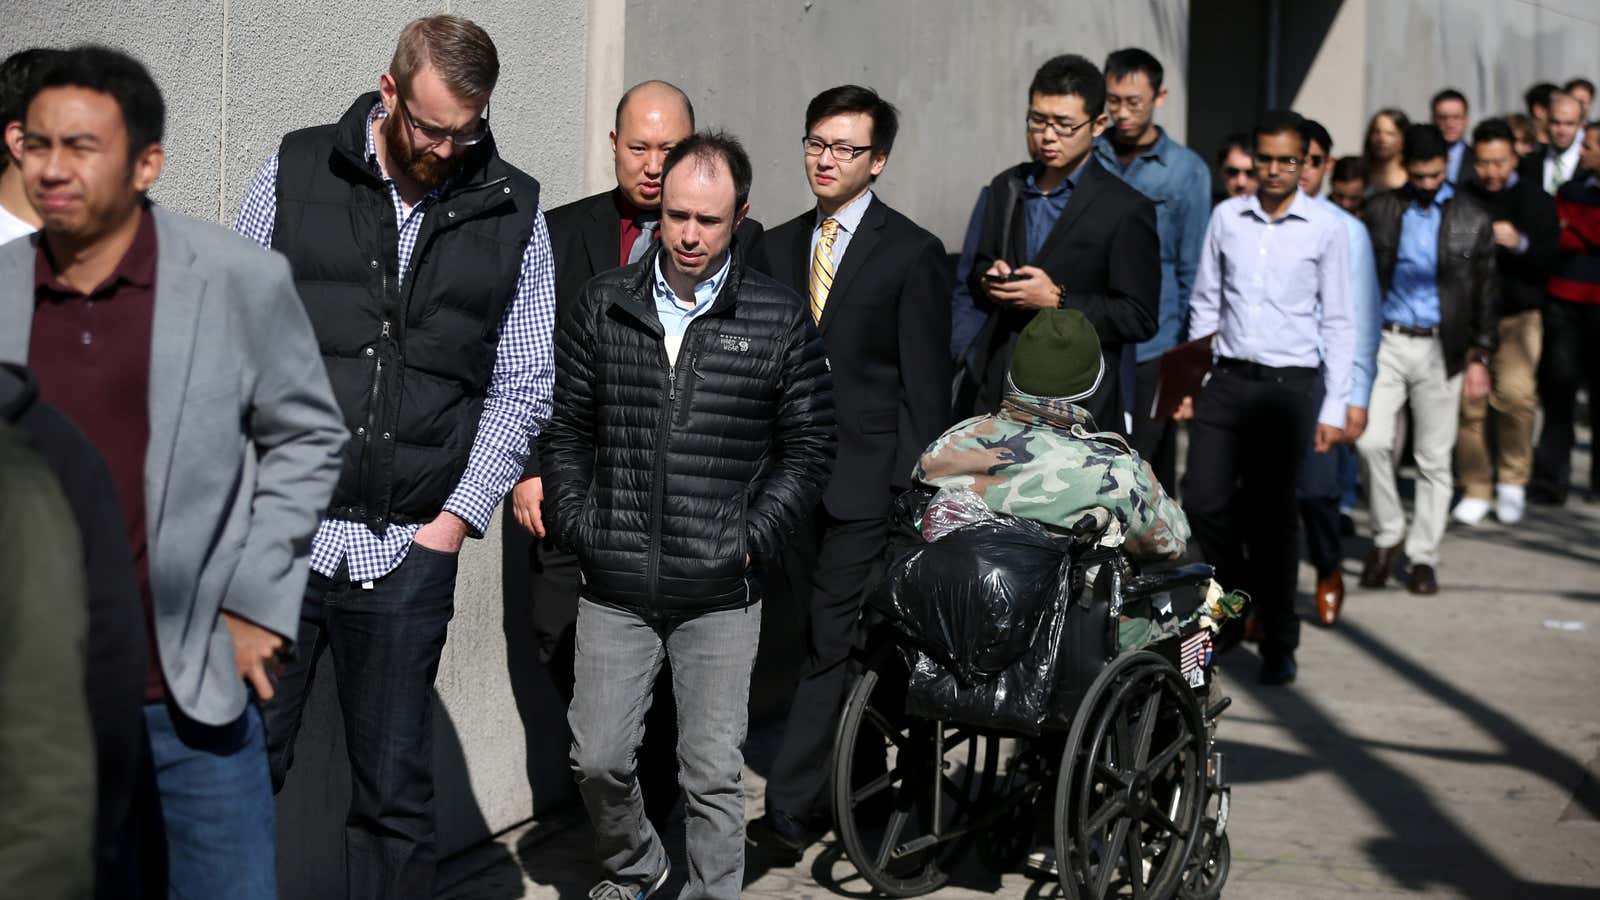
(675, 317)
(849, 218)
(1363, 305)
(1453, 158)
(1277, 292)
(1413, 298)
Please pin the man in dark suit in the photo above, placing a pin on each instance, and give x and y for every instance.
(1061, 231)
(1450, 117)
(878, 287)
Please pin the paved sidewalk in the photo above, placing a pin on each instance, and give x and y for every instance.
(1443, 747)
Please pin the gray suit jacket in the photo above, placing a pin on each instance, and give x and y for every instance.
(244, 447)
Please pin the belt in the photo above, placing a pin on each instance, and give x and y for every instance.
(1408, 331)
(1257, 372)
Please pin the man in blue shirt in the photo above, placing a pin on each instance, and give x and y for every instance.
(1176, 180)
(1449, 109)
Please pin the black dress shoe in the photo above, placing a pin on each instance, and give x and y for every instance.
(1278, 668)
(1422, 580)
(1379, 566)
(1546, 495)
(780, 832)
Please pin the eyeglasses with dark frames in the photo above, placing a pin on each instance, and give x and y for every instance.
(1287, 163)
(1038, 122)
(842, 152)
(435, 135)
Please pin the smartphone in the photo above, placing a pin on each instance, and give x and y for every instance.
(1002, 279)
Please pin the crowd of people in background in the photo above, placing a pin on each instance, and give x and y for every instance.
(228, 462)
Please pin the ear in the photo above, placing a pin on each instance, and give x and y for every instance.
(739, 214)
(879, 160)
(13, 139)
(1100, 123)
(147, 167)
(613, 137)
(1161, 98)
(388, 91)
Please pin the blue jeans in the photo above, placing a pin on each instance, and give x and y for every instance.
(618, 656)
(216, 803)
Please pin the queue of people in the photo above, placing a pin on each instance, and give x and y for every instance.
(698, 419)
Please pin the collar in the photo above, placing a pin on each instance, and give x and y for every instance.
(1443, 195)
(704, 291)
(849, 216)
(1299, 208)
(1157, 151)
(1053, 412)
(137, 268)
(1031, 186)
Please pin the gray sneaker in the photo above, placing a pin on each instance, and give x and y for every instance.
(611, 890)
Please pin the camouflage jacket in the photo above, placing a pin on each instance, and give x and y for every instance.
(1041, 459)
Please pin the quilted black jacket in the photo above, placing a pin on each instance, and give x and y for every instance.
(666, 477)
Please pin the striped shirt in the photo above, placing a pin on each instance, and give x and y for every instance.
(517, 403)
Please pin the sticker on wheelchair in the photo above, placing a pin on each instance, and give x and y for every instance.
(1194, 656)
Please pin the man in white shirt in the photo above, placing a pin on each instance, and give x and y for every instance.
(17, 217)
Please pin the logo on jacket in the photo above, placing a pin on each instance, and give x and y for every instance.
(733, 344)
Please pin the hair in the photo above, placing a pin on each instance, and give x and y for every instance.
(1448, 94)
(1280, 121)
(628, 95)
(116, 74)
(1401, 123)
(1070, 75)
(457, 48)
(853, 98)
(1423, 141)
(1349, 168)
(17, 75)
(1494, 130)
(1316, 134)
(1584, 83)
(1238, 140)
(708, 147)
(1130, 60)
(1521, 127)
(1538, 95)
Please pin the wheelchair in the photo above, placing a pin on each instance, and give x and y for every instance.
(1125, 776)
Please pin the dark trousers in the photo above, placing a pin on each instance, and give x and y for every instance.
(1155, 439)
(1569, 361)
(1249, 436)
(827, 566)
(1318, 490)
(386, 641)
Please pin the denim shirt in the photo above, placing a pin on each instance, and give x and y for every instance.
(1413, 298)
(1178, 182)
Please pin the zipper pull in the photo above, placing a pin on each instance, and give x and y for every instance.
(385, 327)
(672, 384)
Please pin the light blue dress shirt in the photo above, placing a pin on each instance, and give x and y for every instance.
(1277, 292)
(1453, 158)
(849, 218)
(675, 317)
(1413, 298)
(1363, 305)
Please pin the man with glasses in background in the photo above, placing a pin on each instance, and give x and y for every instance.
(423, 260)
(1236, 167)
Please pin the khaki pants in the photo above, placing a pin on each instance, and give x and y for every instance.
(1515, 397)
(1411, 369)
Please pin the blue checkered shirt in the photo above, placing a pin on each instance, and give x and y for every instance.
(516, 406)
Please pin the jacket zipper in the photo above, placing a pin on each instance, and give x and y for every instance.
(658, 484)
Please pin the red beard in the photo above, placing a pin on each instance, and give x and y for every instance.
(422, 167)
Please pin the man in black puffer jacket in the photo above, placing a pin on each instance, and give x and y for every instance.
(693, 426)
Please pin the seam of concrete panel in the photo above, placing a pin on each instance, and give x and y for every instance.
(222, 129)
(605, 39)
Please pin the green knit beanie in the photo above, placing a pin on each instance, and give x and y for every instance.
(1058, 356)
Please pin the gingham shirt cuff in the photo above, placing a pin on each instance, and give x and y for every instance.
(473, 504)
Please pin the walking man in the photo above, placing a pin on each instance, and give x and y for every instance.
(693, 429)
(877, 288)
(424, 262)
(1449, 108)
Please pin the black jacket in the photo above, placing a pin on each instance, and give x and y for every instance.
(1469, 284)
(886, 330)
(1105, 253)
(665, 477)
(409, 360)
(1533, 212)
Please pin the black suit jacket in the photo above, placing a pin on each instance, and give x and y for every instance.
(1106, 255)
(886, 330)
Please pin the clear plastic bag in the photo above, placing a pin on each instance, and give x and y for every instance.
(952, 508)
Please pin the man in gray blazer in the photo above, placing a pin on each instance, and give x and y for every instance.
(185, 355)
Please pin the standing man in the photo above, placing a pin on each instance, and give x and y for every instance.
(19, 71)
(1236, 166)
(1557, 160)
(1449, 108)
(1326, 476)
(1274, 287)
(1436, 268)
(693, 430)
(1526, 231)
(1537, 100)
(185, 357)
(1348, 189)
(1571, 332)
(424, 262)
(1063, 233)
(877, 287)
(1175, 179)
(1582, 90)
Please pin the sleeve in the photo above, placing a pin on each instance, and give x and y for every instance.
(966, 320)
(1543, 235)
(1336, 329)
(1205, 301)
(1485, 292)
(925, 368)
(1128, 311)
(298, 433)
(1157, 527)
(566, 446)
(518, 400)
(1195, 209)
(803, 444)
(258, 215)
(986, 248)
(1364, 307)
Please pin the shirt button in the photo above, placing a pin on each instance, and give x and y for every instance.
(87, 338)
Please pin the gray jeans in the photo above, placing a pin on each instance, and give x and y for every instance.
(618, 656)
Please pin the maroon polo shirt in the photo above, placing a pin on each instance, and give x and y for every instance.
(91, 353)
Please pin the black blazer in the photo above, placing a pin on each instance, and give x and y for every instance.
(1106, 255)
(886, 330)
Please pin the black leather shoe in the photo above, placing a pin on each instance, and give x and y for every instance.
(780, 832)
(1546, 495)
(1375, 572)
(1422, 580)
(1278, 668)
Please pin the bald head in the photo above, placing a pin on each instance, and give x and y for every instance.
(652, 118)
(657, 97)
(1566, 117)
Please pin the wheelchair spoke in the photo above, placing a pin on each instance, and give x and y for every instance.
(1158, 816)
(1110, 774)
(1166, 757)
(1103, 816)
(1108, 865)
(1135, 860)
(888, 730)
(891, 836)
(873, 787)
(1147, 728)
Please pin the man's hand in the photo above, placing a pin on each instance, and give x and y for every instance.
(1507, 235)
(1355, 423)
(525, 500)
(255, 652)
(1034, 290)
(1327, 437)
(1185, 410)
(1475, 385)
(445, 533)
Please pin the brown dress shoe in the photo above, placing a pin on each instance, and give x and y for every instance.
(1422, 580)
(1379, 565)
(1330, 598)
(1254, 631)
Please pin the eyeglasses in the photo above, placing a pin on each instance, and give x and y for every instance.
(841, 152)
(1314, 161)
(1131, 104)
(1287, 163)
(1234, 172)
(435, 136)
(1038, 122)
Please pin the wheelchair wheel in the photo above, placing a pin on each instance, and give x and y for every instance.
(1208, 870)
(904, 812)
(1131, 793)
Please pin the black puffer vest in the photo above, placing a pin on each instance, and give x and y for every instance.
(409, 359)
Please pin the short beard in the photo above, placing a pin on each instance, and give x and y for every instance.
(424, 168)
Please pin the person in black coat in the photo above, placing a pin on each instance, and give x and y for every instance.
(1062, 232)
(878, 286)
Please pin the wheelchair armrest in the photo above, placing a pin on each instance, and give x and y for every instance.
(1149, 583)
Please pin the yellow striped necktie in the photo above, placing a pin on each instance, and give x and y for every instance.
(822, 268)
